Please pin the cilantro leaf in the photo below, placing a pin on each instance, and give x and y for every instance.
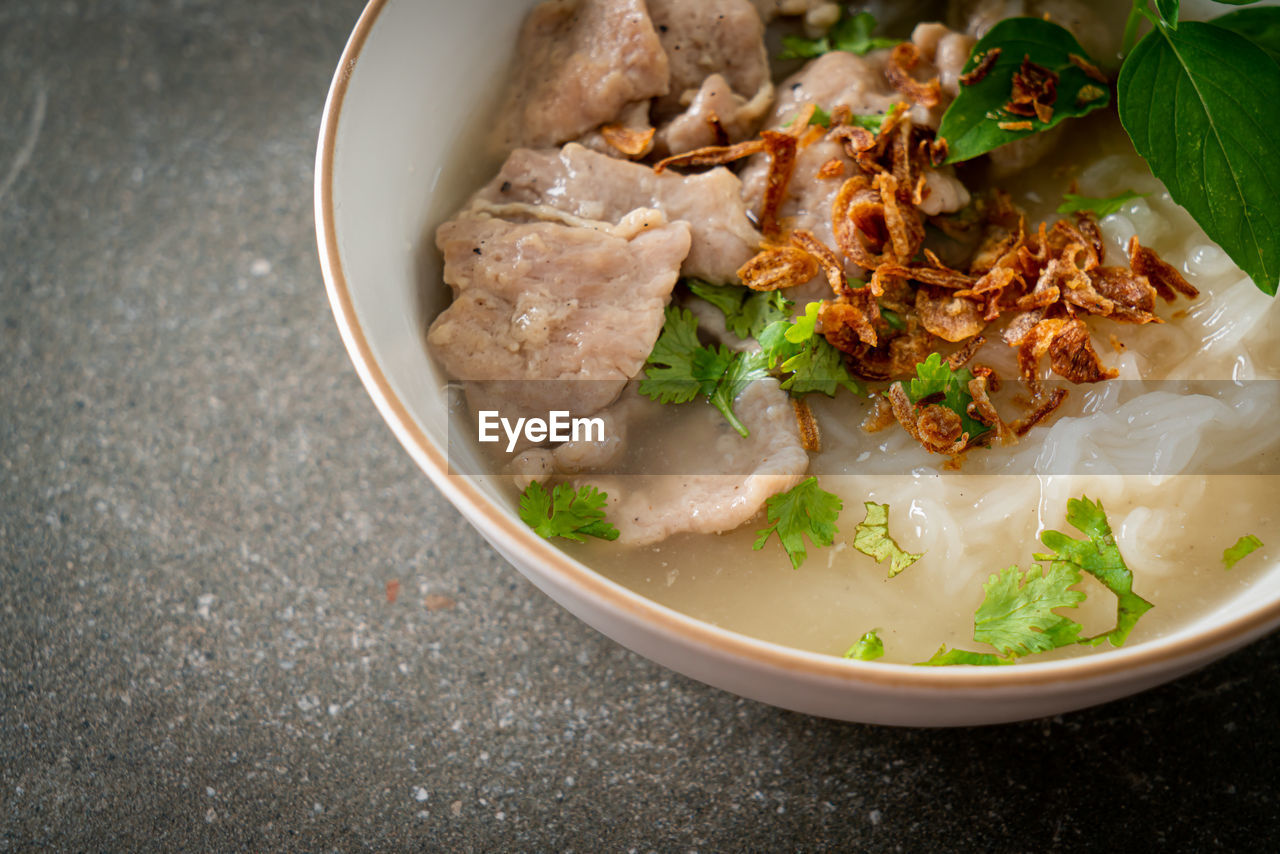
(805, 509)
(892, 318)
(1098, 206)
(1017, 616)
(566, 512)
(820, 118)
(680, 369)
(870, 121)
(669, 373)
(972, 124)
(851, 33)
(746, 312)
(742, 370)
(1100, 557)
(805, 326)
(1219, 88)
(1244, 547)
(871, 537)
(868, 648)
(933, 377)
(944, 657)
(810, 360)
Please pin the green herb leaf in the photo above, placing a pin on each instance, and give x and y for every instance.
(669, 372)
(870, 121)
(1199, 104)
(808, 359)
(1244, 547)
(1260, 26)
(934, 376)
(1100, 557)
(803, 510)
(820, 118)
(1017, 616)
(746, 312)
(971, 124)
(868, 648)
(680, 369)
(1168, 11)
(566, 512)
(741, 371)
(871, 537)
(851, 33)
(892, 318)
(1099, 207)
(945, 657)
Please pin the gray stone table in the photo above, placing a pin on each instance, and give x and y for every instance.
(200, 512)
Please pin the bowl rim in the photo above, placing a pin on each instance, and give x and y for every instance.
(505, 532)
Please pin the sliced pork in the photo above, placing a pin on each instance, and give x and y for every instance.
(722, 480)
(720, 86)
(587, 184)
(578, 63)
(574, 306)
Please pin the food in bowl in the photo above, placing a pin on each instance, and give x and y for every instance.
(898, 352)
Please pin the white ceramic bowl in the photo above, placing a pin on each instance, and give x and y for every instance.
(416, 75)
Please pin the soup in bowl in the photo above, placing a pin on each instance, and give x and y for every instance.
(725, 373)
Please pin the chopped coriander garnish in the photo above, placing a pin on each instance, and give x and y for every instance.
(746, 312)
(1244, 547)
(1018, 615)
(1098, 206)
(870, 121)
(566, 512)
(680, 369)
(944, 657)
(741, 371)
(820, 118)
(1100, 557)
(933, 377)
(803, 510)
(871, 537)
(892, 318)
(812, 363)
(868, 648)
(851, 33)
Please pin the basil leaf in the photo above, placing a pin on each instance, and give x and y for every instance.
(1199, 104)
(1168, 10)
(1260, 26)
(971, 124)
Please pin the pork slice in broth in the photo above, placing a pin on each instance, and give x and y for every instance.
(719, 72)
(708, 478)
(576, 306)
(588, 184)
(578, 64)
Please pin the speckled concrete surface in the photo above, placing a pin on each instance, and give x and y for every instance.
(200, 514)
